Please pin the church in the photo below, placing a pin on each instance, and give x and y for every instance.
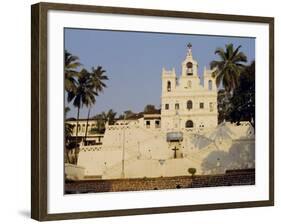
(184, 134)
(186, 103)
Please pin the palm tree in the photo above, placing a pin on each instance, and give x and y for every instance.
(68, 129)
(111, 116)
(100, 122)
(71, 63)
(97, 78)
(83, 95)
(69, 146)
(229, 67)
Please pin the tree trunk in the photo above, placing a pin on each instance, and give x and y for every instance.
(253, 124)
(66, 159)
(76, 139)
(88, 117)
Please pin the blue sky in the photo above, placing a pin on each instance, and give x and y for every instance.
(133, 62)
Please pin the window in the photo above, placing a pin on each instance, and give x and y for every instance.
(177, 106)
(148, 124)
(169, 86)
(166, 106)
(157, 124)
(189, 66)
(189, 104)
(201, 105)
(189, 124)
(210, 85)
(211, 107)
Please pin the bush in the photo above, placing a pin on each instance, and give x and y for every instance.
(192, 171)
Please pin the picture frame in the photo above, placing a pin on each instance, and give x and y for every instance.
(40, 111)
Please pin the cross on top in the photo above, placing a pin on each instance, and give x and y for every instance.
(189, 45)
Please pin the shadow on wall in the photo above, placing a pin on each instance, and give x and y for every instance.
(239, 156)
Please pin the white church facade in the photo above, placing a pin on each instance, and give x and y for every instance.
(186, 103)
(186, 134)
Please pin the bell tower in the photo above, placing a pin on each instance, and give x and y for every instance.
(189, 77)
(169, 81)
(189, 65)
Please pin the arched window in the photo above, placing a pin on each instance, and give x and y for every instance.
(189, 66)
(189, 124)
(189, 104)
(210, 85)
(189, 84)
(168, 86)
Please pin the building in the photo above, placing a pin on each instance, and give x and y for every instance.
(93, 136)
(184, 134)
(185, 102)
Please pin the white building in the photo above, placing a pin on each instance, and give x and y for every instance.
(185, 135)
(92, 137)
(185, 102)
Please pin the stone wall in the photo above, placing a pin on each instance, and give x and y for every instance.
(230, 178)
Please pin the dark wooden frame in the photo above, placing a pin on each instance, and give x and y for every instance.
(39, 110)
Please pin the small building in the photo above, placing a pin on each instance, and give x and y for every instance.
(93, 136)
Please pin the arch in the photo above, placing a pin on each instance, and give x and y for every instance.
(210, 85)
(189, 66)
(189, 124)
(169, 86)
(189, 104)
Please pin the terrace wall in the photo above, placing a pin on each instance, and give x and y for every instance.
(230, 178)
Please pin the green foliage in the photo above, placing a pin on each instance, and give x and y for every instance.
(97, 78)
(228, 68)
(66, 110)
(240, 105)
(243, 99)
(149, 109)
(82, 87)
(128, 114)
(68, 129)
(223, 104)
(71, 63)
(121, 117)
(111, 117)
(84, 93)
(102, 118)
(192, 171)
